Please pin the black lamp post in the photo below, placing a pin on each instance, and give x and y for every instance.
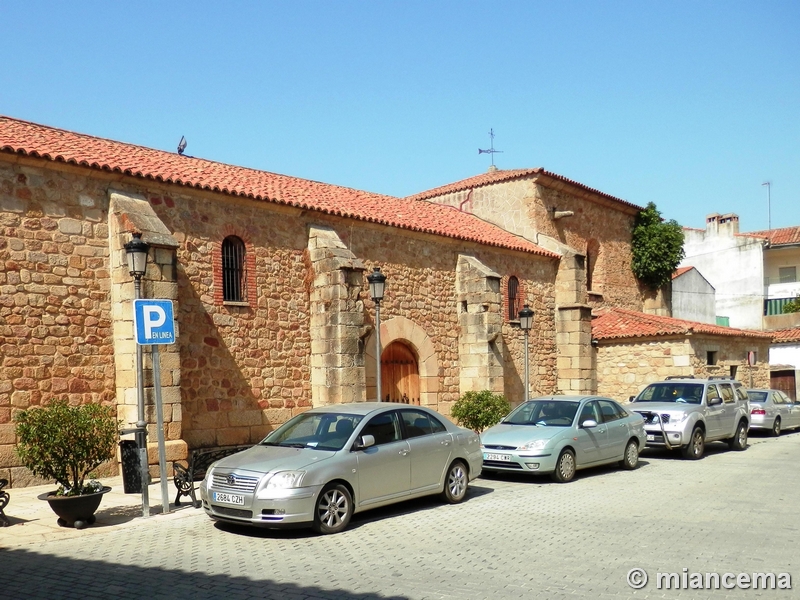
(377, 286)
(136, 251)
(525, 323)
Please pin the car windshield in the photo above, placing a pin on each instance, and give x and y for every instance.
(757, 396)
(548, 413)
(321, 431)
(688, 393)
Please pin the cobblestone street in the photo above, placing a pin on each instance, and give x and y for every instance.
(512, 538)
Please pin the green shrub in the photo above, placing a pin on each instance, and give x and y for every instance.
(66, 443)
(792, 306)
(480, 410)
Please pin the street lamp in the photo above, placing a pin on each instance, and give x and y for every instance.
(136, 250)
(377, 285)
(525, 323)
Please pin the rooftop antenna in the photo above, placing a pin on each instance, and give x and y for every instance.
(769, 203)
(491, 151)
(182, 145)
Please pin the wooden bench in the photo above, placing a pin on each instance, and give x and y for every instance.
(4, 498)
(200, 460)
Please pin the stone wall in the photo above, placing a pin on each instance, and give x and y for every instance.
(624, 368)
(526, 207)
(241, 368)
(56, 337)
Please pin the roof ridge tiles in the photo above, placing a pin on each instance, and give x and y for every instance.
(93, 152)
(621, 323)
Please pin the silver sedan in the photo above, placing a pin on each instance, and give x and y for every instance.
(773, 410)
(561, 434)
(328, 463)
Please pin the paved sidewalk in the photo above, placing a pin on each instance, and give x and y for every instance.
(33, 521)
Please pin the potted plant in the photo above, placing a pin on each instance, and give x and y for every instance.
(66, 443)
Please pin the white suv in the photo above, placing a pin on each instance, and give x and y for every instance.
(685, 413)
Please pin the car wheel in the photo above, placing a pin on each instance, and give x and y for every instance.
(697, 445)
(739, 440)
(630, 459)
(334, 509)
(455, 484)
(565, 466)
(776, 427)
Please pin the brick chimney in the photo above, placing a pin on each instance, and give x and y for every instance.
(722, 225)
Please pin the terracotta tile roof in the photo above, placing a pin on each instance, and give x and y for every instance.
(508, 175)
(58, 145)
(786, 236)
(620, 323)
(680, 271)
(781, 336)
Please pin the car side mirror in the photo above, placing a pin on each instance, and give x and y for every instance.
(589, 423)
(713, 401)
(631, 398)
(365, 441)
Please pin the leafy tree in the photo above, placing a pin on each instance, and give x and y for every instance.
(792, 306)
(657, 247)
(480, 410)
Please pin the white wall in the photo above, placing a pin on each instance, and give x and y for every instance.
(785, 354)
(734, 265)
(693, 298)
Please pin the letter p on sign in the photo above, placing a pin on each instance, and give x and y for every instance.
(153, 322)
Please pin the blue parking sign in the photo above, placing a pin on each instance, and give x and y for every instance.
(153, 322)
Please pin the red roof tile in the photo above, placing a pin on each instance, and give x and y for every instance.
(620, 323)
(786, 236)
(680, 271)
(507, 175)
(58, 145)
(781, 336)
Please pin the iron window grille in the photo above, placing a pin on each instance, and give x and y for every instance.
(513, 299)
(234, 275)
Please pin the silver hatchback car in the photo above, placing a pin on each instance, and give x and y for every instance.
(561, 434)
(773, 410)
(328, 463)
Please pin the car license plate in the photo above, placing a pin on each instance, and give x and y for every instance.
(500, 457)
(228, 498)
(650, 437)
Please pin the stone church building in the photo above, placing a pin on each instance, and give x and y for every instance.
(267, 274)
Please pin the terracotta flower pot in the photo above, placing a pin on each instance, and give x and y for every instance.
(75, 511)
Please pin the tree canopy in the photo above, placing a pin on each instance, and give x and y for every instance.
(657, 247)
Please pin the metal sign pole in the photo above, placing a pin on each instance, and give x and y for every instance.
(162, 454)
(154, 324)
(141, 424)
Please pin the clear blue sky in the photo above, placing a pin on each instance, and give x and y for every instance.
(689, 104)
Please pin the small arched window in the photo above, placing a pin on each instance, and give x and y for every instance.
(592, 256)
(513, 299)
(234, 275)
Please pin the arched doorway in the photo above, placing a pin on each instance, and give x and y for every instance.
(399, 374)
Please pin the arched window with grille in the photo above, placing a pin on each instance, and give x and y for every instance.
(234, 274)
(513, 299)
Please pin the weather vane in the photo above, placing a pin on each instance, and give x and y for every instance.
(491, 149)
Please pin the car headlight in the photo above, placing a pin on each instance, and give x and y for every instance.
(534, 445)
(678, 418)
(285, 480)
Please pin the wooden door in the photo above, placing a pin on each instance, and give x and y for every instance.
(399, 374)
(784, 381)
